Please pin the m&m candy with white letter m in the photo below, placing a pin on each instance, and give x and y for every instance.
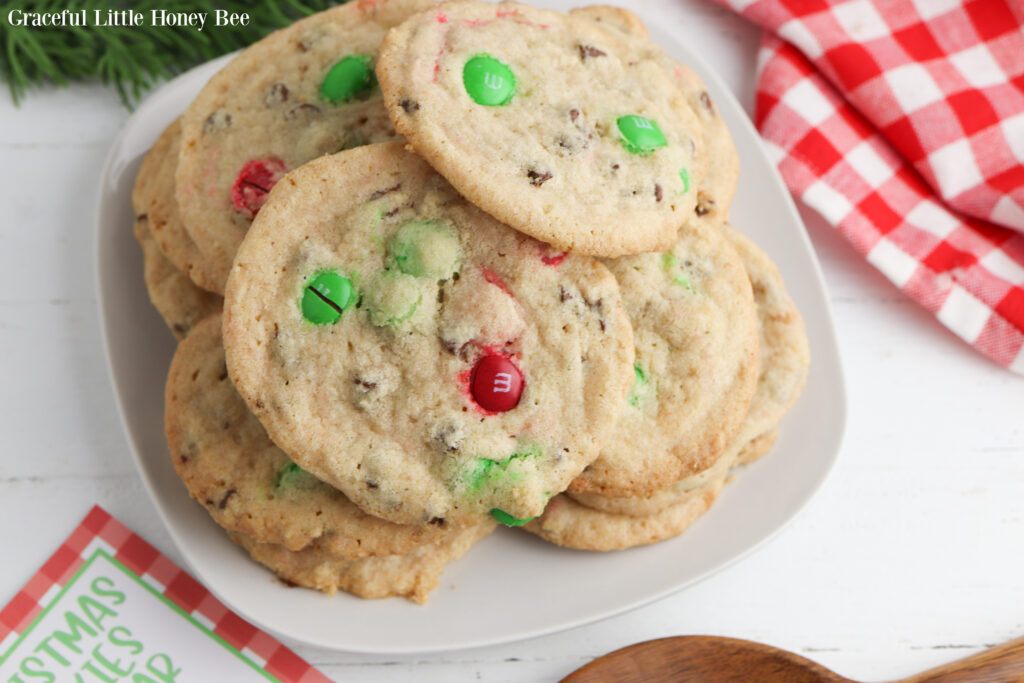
(496, 384)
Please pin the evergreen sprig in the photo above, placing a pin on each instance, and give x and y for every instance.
(133, 59)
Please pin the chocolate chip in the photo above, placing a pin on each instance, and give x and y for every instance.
(706, 101)
(449, 435)
(387, 190)
(538, 179)
(218, 120)
(705, 205)
(304, 109)
(311, 37)
(276, 94)
(451, 346)
(366, 384)
(224, 501)
(657, 192)
(590, 51)
(409, 106)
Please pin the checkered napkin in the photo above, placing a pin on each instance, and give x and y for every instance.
(902, 123)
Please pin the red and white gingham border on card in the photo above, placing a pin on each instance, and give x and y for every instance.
(100, 528)
(969, 273)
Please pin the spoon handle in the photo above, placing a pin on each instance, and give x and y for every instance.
(995, 665)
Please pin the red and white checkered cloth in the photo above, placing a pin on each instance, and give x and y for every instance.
(902, 123)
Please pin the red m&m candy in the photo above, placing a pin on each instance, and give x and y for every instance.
(254, 182)
(496, 383)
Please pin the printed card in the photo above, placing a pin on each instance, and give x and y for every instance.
(107, 607)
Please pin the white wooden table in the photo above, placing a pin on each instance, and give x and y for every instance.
(911, 555)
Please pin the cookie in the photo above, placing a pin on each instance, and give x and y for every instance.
(742, 450)
(620, 523)
(423, 358)
(783, 364)
(156, 181)
(570, 524)
(716, 190)
(757, 447)
(551, 123)
(304, 91)
(785, 351)
(247, 484)
(413, 575)
(613, 18)
(714, 196)
(180, 302)
(695, 330)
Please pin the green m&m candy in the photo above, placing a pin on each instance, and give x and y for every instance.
(507, 519)
(326, 296)
(639, 389)
(488, 81)
(425, 249)
(640, 135)
(350, 77)
(674, 270)
(392, 298)
(288, 475)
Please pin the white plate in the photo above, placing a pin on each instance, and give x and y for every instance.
(512, 585)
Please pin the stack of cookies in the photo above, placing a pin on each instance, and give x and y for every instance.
(439, 267)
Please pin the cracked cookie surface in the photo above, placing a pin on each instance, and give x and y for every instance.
(246, 483)
(178, 300)
(425, 359)
(716, 189)
(553, 124)
(695, 329)
(412, 575)
(301, 92)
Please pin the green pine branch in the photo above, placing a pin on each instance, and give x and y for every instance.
(132, 59)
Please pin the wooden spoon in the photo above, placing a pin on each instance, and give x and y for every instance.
(710, 659)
